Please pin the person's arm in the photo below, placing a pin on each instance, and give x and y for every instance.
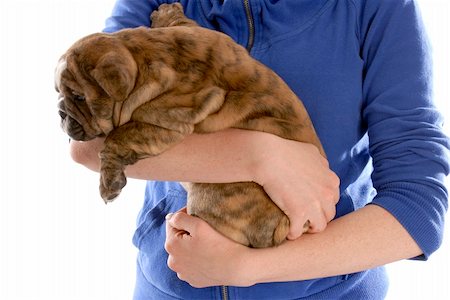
(410, 161)
(284, 168)
(364, 239)
(361, 240)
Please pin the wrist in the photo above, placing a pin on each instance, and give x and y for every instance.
(257, 266)
(245, 271)
(262, 162)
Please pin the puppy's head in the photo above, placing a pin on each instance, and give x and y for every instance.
(96, 74)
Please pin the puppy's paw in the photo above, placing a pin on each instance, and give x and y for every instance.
(168, 15)
(111, 184)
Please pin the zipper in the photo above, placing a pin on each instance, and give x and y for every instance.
(224, 292)
(250, 42)
(251, 25)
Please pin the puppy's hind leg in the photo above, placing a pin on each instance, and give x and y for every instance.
(125, 146)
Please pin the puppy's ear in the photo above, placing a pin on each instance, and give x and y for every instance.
(65, 82)
(60, 67)
(116, 74)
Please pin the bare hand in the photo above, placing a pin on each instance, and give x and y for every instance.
(298, 179)
(200, 255)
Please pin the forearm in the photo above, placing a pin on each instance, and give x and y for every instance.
(361, 240)
(226, 156)
(284, 168)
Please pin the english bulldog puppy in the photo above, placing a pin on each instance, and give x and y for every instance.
(146, 89)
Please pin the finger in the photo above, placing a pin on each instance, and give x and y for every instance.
(330, 202)
(318, 225)
(293, 235)
(180, 277)
(296, 229)
(173, 238)
(330, 213)
(317, 219)
(334, 183)
(182, 221)
(170, 215)
(172, 231)
(324, 161)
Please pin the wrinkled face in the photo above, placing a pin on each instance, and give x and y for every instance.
(76, 117)
(93, 78)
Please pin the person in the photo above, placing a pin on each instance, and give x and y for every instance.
(363, 71)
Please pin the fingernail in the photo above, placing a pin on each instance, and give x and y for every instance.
(169, 216)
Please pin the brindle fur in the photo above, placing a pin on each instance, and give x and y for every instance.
(147, 89)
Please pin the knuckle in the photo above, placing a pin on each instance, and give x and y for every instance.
(169, 245)
(330, 195)
(171, 263)
(176, 218)
(338, 180)
(301, 212)
(335, 180)
(336, 198)
(180, 276)
(330, 213)
(325, 161)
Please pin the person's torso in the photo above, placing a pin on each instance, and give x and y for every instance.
(314, 46)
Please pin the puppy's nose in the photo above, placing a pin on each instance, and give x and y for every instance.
(62, 114)
(61, 108)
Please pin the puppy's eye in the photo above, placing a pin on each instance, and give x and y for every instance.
(78, 98)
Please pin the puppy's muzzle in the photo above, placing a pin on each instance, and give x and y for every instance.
(72, 120)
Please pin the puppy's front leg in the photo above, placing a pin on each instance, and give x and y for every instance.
(125, 146)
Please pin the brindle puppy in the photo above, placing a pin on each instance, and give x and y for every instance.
(146, 89)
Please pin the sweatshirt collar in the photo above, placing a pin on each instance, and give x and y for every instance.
(271, 18)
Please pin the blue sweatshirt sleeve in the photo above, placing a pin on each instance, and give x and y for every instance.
(130, 14)
(407, 144)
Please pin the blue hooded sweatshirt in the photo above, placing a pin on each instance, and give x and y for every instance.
(363, 70)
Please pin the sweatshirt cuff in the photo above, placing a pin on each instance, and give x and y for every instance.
(420, 209)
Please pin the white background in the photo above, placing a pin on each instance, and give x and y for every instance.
(57, 238)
